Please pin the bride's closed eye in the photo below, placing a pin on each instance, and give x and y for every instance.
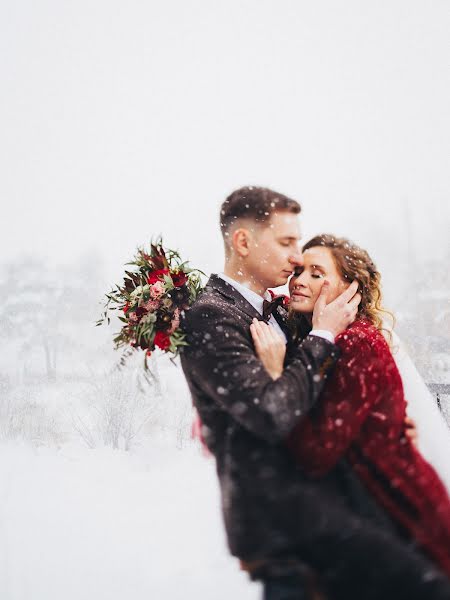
(317, 272)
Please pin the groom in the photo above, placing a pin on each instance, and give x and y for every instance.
(295, 533)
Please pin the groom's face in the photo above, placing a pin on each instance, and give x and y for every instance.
(274, 250)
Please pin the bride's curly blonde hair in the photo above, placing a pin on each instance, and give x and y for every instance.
(354, 263)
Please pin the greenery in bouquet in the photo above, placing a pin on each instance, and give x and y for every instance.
(156, 290)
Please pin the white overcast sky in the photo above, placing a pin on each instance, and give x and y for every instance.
(120, 120)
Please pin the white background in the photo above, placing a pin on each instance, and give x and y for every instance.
(120, 121)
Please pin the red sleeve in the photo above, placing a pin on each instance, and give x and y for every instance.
(355, 388)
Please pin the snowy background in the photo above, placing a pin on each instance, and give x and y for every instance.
(122, 121)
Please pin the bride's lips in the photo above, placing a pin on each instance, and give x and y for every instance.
(299, 295)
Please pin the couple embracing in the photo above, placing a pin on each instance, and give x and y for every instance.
(324, 492)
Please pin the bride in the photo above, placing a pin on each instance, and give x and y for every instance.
(362, 411)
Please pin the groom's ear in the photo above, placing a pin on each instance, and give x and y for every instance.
(241, 241)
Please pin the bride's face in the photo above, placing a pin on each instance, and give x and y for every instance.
(307, 281)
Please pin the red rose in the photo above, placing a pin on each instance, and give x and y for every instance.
(155, 276)
(126, 308)
(179, 279)
(162, 340)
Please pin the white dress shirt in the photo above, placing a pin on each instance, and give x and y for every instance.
(257, 302)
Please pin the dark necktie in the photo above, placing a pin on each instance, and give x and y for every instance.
(269, 306)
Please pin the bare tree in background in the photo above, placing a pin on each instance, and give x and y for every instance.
(44, 308)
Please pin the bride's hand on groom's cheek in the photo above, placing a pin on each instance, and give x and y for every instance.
(270, 347)
(337, 315)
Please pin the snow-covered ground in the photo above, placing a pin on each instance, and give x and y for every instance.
(94, 524)
(80, 520)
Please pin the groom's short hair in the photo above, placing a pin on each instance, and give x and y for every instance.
(256, 204)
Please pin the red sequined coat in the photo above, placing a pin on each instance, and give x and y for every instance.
(361, 414)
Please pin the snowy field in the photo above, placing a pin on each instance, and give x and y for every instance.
(82, 520)
(104, 495)
(94, 524)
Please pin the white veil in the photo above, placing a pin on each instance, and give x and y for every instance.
(433, 432)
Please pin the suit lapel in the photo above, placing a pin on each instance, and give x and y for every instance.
(228, 291)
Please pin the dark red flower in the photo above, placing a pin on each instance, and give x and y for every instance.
(180, 297)
(162, 340)
(155, 276)
(179, 279)
(284, 300)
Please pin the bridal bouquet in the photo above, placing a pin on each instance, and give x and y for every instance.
(152, 298)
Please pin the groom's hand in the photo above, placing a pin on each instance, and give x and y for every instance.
(338, 314)
(411, 430)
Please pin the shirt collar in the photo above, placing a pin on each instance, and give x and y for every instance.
(252, 297)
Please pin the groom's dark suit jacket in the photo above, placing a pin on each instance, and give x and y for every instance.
(271, 508)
